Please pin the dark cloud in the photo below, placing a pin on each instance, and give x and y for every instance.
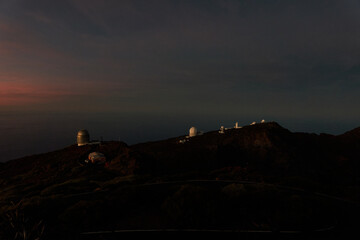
(269, 56)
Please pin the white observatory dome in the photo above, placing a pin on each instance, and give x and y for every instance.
(192, 132)
(83, 137)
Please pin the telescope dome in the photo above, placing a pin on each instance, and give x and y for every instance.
(192, 132)
(83, 137)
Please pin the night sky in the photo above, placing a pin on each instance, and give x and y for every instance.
(189, 61)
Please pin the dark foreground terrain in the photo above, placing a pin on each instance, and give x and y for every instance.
(259, 181)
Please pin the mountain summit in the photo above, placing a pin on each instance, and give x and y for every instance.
(197, 182)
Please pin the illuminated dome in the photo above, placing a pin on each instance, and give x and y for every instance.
(83, 137)
(192, 132)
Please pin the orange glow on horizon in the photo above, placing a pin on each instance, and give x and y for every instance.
(18, 91)
(15, 93)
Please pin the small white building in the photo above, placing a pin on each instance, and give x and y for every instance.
(96, 158)
(262, 121)
(253, 123)
(237, 125)
(222, 130)
(182, 141)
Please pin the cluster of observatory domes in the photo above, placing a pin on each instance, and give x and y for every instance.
(83, 136)
(193, 132)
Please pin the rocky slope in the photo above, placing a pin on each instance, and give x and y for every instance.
(244, 179)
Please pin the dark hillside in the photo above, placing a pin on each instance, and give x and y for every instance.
(256, 178)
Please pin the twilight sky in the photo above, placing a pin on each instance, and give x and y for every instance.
(272, 59)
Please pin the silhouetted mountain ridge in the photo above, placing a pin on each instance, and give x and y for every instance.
(159, 179)
(266, 146)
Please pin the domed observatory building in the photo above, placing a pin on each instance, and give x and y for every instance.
(192, 132)
(83, 137)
